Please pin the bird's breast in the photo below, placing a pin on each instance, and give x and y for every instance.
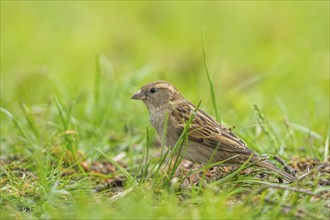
(160, 121)
(157, 119)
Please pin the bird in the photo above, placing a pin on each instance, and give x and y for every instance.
(208, 141)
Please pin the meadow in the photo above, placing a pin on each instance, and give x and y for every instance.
(74, 145)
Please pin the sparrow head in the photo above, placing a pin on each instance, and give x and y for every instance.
(157, 94)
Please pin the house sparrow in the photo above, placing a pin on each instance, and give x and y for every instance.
(208, 141)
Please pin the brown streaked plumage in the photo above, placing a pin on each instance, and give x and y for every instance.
(208, 141)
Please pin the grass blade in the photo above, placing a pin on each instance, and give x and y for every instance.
(214, 102)
(117, 165)
(181, 141)
(13, 119)
(243, 166)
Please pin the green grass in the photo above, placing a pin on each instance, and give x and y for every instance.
(68, 70)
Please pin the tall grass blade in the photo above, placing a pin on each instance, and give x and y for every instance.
(267, 128)
(65, 117)
(61, 113)
(29, 118)
(214, 102)
(183, 139)
(147, 154)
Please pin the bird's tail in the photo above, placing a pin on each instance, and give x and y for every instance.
(268, 165)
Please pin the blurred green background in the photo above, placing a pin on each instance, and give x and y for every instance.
(274, 54)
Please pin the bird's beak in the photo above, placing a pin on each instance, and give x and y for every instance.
(139, 95)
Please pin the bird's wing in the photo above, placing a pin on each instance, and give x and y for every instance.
(205, 130)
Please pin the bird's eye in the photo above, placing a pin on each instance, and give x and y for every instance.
(152, 90)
